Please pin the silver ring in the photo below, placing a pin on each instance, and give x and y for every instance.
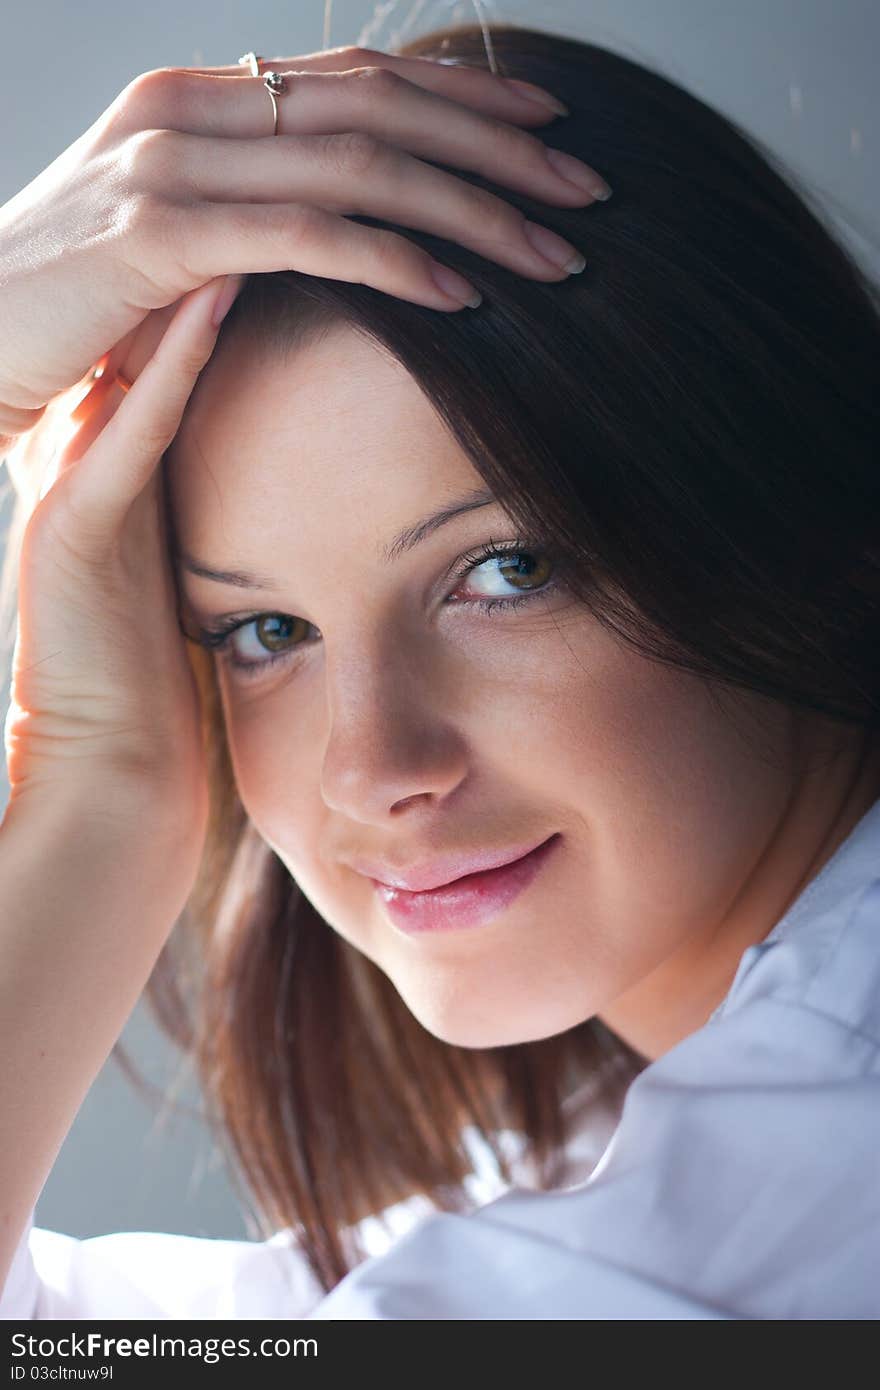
(275, 85)
(273, 82)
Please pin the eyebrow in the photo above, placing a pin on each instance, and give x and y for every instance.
(406, 540)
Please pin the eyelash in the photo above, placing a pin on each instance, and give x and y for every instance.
(217, 638)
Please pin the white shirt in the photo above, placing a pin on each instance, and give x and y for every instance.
(742, 1180)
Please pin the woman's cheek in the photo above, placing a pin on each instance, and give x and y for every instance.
(269, 736)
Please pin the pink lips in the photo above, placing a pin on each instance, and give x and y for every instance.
(470, 901)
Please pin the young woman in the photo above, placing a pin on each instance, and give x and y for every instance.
(488, 697)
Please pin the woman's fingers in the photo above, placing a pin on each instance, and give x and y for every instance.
(134, 350)
(387, 109)
(508, 99)
(310, 236)
(377, 100)
(299, 236)
(102, 485)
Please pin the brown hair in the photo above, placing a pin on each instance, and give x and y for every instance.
(715, 302)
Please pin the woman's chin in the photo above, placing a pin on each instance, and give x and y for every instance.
(476, 1029)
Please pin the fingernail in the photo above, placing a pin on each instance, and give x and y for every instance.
(576, 172)
(226, 298)
(533, 93)
(455, 285)
(554, 249)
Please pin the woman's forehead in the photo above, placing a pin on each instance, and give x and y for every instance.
(336, 427)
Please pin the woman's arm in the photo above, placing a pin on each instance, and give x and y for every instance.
(89, 888)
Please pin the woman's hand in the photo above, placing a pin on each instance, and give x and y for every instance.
(176, 184)
(104, 708)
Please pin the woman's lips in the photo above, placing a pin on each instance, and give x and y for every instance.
(467, 902)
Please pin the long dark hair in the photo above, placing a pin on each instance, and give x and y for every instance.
(692, 423)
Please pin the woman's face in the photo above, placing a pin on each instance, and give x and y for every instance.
(402, 727)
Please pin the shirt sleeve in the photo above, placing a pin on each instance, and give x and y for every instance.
(152, 1274)
(145, 1274)
(741, 1182)
(148, 1274)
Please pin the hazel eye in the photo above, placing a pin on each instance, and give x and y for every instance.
(270, 635)
(270, 638)
(523, 569)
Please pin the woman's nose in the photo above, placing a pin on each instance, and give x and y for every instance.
(389, 743)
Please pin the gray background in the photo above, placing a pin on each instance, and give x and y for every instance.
(799, 74)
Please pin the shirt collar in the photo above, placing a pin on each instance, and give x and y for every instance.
(813, 921)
